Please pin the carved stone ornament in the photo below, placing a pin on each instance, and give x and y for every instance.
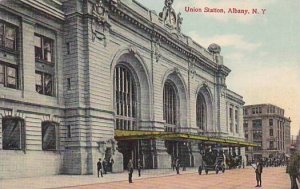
(169, 18)
(103, 145)
(99, 21)
(214, 48)
(157, 53)
(192, 70)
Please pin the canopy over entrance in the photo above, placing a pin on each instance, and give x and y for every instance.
(161, 135)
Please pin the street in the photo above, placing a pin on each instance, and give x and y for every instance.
(272, 178)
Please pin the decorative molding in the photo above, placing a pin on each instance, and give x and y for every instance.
(103, 145)
(100, 23)
(157, 52)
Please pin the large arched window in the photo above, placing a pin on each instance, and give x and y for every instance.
(201, 112)
(170, 103)
(125, 99)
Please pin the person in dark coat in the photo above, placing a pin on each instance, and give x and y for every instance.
(130, 170)
(177, 165)
(258, 172)
(104, 164)
(99, 167)
(139, 166)
(173, 164)
(293, 167)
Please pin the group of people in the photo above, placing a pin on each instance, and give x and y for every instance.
(130, 169)
(104, 166)
(293, 169)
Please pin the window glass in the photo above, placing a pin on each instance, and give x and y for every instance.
(10, 35)
(38, 47)
(49, 136)
(47, 50)
(1, 74)
(1, 33)
(48, 84)
(38, 83)
(11, 77)
(12, 133)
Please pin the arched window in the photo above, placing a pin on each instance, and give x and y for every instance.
(170, 103)
(201, 112)
(13, 133)
(125, 99)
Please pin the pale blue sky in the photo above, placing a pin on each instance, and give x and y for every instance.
(263, 51)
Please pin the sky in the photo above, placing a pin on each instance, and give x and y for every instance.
(263, 51)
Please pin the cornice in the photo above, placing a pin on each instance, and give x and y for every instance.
(121, 12)
(41, 6)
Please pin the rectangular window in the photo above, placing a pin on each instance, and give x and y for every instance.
(257, 124)
(43, 83)
(43, 48)
(8, 75)
(49, 136)
(259, 110)
(246, 125)
(253, 110)
(13, 133)
(271, 132)
(69, 131)
(8, 36)
(271, 145)
(270, 122)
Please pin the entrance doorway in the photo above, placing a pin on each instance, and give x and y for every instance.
(130, 150)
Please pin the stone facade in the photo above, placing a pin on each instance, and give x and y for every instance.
(88, 40)
(266, 125)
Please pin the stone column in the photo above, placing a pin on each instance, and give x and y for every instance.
(196, 154)
(163, 159)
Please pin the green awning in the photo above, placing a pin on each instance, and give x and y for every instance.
(161, 135)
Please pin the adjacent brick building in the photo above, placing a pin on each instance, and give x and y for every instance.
(266, 125)
(73, 72)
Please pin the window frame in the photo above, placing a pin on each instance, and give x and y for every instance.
(43, 86)
(170, 104)
(3, 38)
(22, 134)
(125, 98)
(5, 76)
(56, 132)
(201, 112)
(42, 56)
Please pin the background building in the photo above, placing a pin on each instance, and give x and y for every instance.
(266, 125)
(81, 80)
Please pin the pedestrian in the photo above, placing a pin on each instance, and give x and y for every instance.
(139, 166)
(104, 164)
(177, 165)
(174, 164)
(130, 170)
(293, 167)
(111, 164)
(99, 167)
(258, 172)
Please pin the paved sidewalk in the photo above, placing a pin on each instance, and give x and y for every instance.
(60, 181)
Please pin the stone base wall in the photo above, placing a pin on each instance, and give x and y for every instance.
(17, 164)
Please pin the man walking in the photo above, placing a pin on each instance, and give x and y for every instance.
(130, 170)
(139, 167)
(177, 165)
(99, 167)
(258, 172)
(293, 167)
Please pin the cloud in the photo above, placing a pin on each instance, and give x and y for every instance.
(226, 4)
(236, 41)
